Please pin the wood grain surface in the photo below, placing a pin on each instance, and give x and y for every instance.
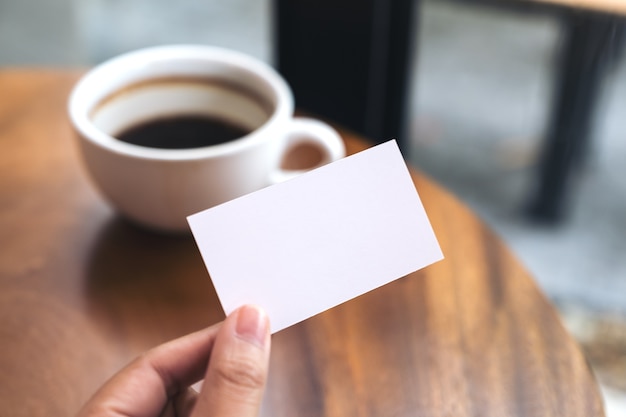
(82, 292)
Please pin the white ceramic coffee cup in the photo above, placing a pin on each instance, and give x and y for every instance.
(160, 187)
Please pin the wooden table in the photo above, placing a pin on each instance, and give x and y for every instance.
(604, 6)
(82, 292)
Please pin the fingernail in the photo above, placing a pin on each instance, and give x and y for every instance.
(252, 325)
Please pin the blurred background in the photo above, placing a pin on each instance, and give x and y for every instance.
(480, 98)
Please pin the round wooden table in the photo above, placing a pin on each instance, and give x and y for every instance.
(82, 292)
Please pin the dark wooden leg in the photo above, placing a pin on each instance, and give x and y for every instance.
(590, 44)
(349, 61)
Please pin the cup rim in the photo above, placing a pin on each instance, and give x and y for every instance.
(81, 100)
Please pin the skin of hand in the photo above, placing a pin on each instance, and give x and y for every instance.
(232, 357)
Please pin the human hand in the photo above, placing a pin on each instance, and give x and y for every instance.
(233, 357)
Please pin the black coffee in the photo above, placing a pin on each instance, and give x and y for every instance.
(180, 132)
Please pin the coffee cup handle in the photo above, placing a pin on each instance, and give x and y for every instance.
(305, 131)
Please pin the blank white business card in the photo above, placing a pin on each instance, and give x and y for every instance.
(306, 245)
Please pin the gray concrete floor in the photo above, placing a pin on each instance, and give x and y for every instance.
(480, 100)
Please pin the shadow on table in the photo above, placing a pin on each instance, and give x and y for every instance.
(148, 286)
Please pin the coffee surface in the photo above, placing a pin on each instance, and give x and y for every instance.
(182, 132)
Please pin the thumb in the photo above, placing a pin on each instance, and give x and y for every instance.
(237, 371)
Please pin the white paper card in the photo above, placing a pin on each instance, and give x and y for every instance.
(303, 246)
